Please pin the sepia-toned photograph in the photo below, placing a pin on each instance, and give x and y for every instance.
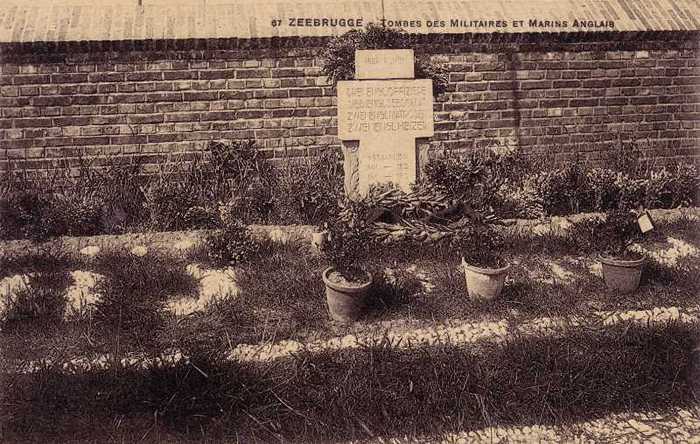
(350, 221)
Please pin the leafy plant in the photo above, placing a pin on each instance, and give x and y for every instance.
(350, 238)
(30, 214)
(241, 177)
(619, 231)
(106, 198)
(564, 190)
(231, 245)
(82, 214)
(308, 189)
(477, 178)
(168, 202)
(188, 193)
(339, 56)
(480, 244)
(670, 188)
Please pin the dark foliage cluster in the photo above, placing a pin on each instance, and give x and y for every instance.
(308, 189)
(482, 245)
(96, 200)
(611, 233)
(477, 178)
(349, 238)
(230, 245)
(339, 57)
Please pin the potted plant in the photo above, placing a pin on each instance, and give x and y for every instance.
(347, 281)
(485, 269)
(622, 267)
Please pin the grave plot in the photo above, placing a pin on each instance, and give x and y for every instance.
(230, 333)
(250, 350)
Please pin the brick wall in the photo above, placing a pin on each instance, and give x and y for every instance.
(565, 93)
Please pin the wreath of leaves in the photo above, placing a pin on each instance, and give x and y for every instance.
(339, 56)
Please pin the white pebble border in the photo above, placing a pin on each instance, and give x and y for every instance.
(677, 426)
(405, 338)
(214, 284)
(465, 333)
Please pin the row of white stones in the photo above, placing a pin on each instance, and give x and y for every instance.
(455, 334)
(81, 295)
(464, 333)
(680, 425)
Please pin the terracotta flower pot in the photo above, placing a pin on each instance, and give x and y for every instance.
(621, 275)
(484, 284)
(346, 303)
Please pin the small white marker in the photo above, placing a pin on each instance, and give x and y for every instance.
(645, 222)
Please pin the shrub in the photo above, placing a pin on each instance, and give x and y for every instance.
(241, 177)
(231, 245)
(612, 233)
(339, 56)
(81, 213)
(604, 188)
(521, 200)
(481, 245)
(631, 191)
(107, 199)
(309, 189)
(187, 194)
(564, 190)
(30, 214)
(168, 202)
(349, 238)
(670, 188)
(618, 231)
(477, 178)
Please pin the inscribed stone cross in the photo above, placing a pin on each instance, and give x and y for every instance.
(385, 115)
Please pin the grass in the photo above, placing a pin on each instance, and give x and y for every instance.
(283, 295)
(134, 292)
(129, 316)
(42, 259)
(42, 301)
(376, 391)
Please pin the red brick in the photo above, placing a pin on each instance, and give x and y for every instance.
(67, 78)
(220, 74)
(143, 76)
(145, 118)
(202, 95)
(106, 77)
(31, 79)
(33, 122)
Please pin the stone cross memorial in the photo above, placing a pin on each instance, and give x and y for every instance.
(385, 110)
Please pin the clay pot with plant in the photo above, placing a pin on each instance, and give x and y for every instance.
(347, 280)
(622, 267)
(485, 268)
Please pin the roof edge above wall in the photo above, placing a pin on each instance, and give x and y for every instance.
(310, 46)
(124, 20)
